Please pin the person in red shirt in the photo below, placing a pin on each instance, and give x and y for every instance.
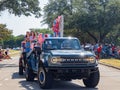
(99, 49)
(113, 49)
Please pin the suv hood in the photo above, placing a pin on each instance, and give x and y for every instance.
(71, 52)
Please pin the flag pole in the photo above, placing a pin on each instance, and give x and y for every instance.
(62, 26)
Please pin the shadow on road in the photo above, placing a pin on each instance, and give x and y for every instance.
(63, 85)
(17, 76)
(57, 85)
(2, 65)
(8, 65)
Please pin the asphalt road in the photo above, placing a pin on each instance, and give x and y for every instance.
(10, 79)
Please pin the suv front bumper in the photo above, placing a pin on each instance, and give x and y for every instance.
(72, 73)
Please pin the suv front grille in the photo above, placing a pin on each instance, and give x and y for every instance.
(73, 60)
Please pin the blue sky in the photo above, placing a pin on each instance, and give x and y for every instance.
(20, 25)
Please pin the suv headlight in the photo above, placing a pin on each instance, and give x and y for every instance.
(56, 60)
(91, 59)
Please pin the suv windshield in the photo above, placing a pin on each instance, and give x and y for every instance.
(61, 44)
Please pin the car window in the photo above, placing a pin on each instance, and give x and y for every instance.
(64, 44)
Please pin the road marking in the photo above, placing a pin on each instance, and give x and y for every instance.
(6, 79)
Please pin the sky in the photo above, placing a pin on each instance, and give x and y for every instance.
(20, 25)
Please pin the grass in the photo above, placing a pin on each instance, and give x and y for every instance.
(14, 52)
(111, 62)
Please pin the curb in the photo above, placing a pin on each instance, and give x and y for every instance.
(109, 65)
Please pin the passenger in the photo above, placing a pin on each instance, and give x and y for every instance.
(35, 56)
(40, 38)
(23, 54)
(27, 35)
(32, 36)
(23, 45)
(37, 48)
(27, 45)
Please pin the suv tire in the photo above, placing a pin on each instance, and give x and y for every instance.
(92, 80)
(45, 79)
(20, 70)
(29, 74)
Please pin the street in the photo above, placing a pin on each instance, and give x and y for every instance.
(11, 80)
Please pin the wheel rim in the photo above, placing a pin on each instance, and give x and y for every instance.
(42, 76)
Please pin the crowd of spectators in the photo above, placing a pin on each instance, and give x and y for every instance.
(103, 50)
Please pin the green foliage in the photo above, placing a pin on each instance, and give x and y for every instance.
(93, 18)
(114, 35)
(4, 32)
(79, 34)
(14, 41)
(44, 31)
(55, 8)
(21, 7)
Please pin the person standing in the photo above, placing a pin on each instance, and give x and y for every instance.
(99, 49)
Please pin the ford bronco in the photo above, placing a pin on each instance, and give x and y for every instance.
(62, 58)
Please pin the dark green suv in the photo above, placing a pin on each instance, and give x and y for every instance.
(62, 58)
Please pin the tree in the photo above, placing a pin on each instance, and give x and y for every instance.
(4, 32)
(44, 31)
(21, 7)
(105, 17)
(55, 8)
(14, 41)
(97, 18)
